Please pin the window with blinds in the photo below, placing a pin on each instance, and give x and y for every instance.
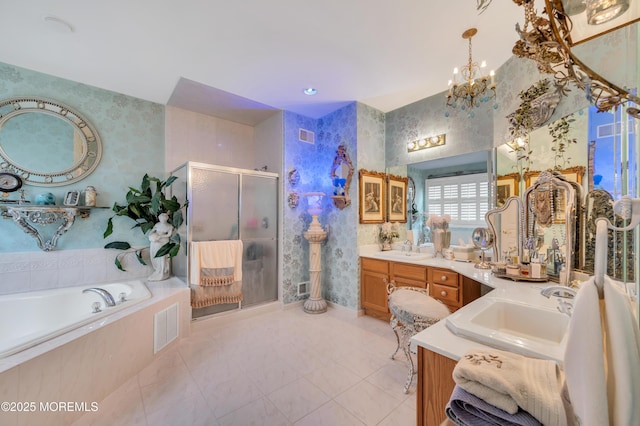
(464, 198)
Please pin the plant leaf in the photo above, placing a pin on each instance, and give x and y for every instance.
(165, 249)
(176, 219)
(139, 256)
(109, 229)
(170, 181)
(118, 264)
(119, 245)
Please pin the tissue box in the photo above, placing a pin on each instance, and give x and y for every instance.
(464, 252)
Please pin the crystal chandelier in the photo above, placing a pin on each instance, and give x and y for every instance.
(468, 88)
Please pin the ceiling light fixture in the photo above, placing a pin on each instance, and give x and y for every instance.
(468, 88)
(425, 143)
(310, 91)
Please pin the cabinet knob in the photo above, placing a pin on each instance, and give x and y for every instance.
(443, 278)
(443, 293)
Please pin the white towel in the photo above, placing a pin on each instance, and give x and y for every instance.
(215, 255)
(602, 358)
(583, 359)
(622, 356)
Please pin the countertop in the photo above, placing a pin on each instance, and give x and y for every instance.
(438, 338)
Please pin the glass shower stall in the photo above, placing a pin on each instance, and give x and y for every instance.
(231, 204)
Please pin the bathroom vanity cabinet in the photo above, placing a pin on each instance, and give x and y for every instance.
(453, 289)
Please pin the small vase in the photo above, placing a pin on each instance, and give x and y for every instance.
(386, 245)
(441, 240)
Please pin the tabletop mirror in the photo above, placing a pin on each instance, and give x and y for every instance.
(506, 224)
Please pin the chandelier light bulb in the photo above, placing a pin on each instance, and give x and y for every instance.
(483, 64)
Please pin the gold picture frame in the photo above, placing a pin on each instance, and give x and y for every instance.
(580, 30)
(397, 198)
(506, 186)
(372, 196)
(572, 174)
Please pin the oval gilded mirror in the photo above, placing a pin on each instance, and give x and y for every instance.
(46, 142)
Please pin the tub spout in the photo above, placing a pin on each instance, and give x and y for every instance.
(106, 296)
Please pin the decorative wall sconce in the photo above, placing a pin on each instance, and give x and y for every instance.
(425, 143)
(341, 174)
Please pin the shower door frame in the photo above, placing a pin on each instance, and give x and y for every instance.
(190, 165)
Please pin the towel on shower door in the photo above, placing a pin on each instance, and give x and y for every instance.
(215, 272)
(602, 358)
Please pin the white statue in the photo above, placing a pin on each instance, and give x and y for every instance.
(159, 236)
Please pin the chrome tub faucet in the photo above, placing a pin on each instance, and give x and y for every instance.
(106, 296)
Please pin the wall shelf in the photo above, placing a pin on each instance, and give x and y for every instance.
(26, 216)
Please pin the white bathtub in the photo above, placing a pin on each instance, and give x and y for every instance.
(28, 319)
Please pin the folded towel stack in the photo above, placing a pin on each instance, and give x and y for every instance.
(511, 383)
(467, 409)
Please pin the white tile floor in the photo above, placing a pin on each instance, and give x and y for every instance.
(277, 368)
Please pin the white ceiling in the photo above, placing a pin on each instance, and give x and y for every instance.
(383, 53)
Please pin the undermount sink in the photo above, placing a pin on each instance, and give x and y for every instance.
(526, 329)
(408, 255)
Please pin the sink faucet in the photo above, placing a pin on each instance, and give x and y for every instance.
(558, 291)
(106, 296)
(408, 245)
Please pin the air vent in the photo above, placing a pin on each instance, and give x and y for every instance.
(306, 136)
(303, 288)
(165, 327)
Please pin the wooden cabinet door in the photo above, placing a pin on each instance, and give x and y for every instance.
(374, 294)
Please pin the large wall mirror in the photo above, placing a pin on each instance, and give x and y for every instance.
(596, 146)
(46, 142)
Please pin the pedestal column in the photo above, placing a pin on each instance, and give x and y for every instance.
(315, 304)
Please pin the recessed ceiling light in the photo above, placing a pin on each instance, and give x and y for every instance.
(310, 91)
(59, 24)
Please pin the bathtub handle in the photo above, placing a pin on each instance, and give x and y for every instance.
(96, 307)
(122, 297)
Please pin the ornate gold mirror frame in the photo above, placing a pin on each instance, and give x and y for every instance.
(548, 42)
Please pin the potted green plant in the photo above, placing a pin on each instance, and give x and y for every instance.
(144, 205)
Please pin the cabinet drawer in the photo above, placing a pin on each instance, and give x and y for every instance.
(448, 295)
(444, 277)
(403, 282)
(374, 265)
(405, 270)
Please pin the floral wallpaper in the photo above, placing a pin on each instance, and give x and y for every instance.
(132, 133)
(313, 163)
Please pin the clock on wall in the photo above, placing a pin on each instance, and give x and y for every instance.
(9, 182)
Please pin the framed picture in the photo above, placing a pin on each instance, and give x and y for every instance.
(372, 196)
(397, 198)
(578, 12)
(506, 186)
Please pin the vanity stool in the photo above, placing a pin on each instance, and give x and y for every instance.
(412, 310)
